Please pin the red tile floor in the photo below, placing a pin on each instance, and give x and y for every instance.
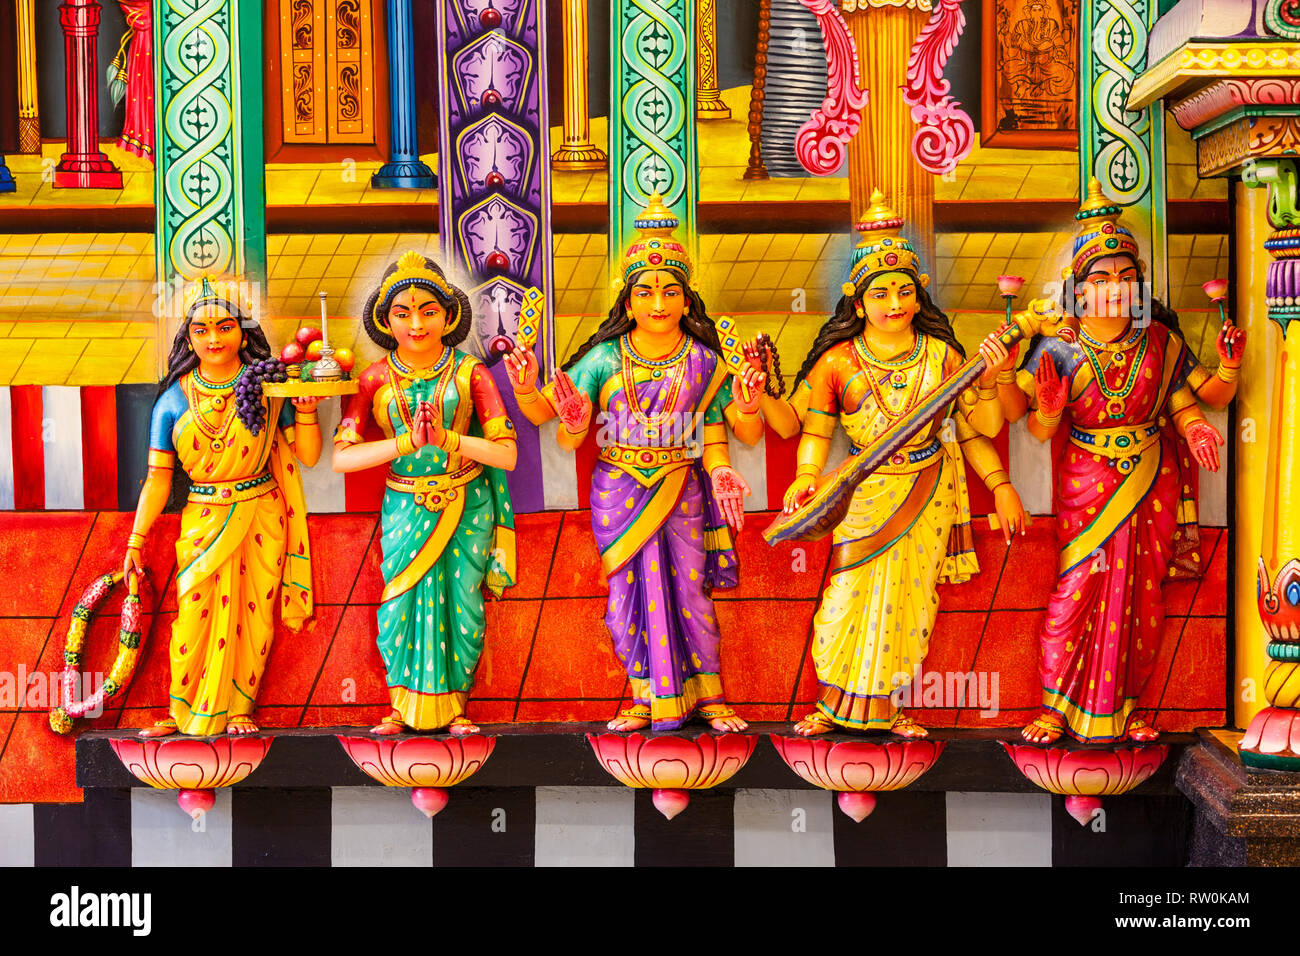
(548, 656)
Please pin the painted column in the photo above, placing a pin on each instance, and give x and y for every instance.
(29, 117)
(6, 177)
(652, 138)
(880, 155)
(708, 101)
(755, 168)
(83, 165)
(1254, 425)
(209, 189)
(403, 169)
(576, 151)
(1124, 150)
(1273, 738)
(495, 200)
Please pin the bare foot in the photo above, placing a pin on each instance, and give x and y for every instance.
(1140, 732)
(163, 728)
(815, 723)
(623, 723)
(728, 724)
(904, 726)
(1043, 730)
(392, 724)
(462, 727)
(240, 726)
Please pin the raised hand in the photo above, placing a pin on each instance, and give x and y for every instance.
(523, 367)
(1049, 387)
(1231, 344)
(1204, 440)
(996, 356)
(573, 406)
(748, 389)
(730, 491)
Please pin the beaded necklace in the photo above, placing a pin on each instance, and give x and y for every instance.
(653, 423)
(1116, 397)
(401, 376)
(196, 388)
(898, 377)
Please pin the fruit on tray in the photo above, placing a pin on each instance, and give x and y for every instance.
(308, 334)
(292, 354)
(314, 349)
(345, 358)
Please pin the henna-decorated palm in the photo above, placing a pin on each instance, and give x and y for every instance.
(1231, 344)
(1050, 387)
(573, 406)
(730, 491)
(522, 363)
(1204, 440)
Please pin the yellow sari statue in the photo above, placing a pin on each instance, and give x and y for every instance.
(886, 349)
(243, 546)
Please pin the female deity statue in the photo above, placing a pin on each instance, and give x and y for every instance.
(882, 353)
(1130, 389)
(446, 521)
(243, 547)
(663, 492)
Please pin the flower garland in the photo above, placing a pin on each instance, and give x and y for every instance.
(128, 653)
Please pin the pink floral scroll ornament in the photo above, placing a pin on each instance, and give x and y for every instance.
(672, 765)
(945, 133)
(855, 769)
(194, 766)
(1083, 777)
(822, 141)
(428, 765)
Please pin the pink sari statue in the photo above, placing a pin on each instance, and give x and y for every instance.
(1126, 393)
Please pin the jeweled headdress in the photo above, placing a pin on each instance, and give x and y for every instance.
(412, 270)
(1100, 232)
(656, 247)
(882, 248)
(222, 293)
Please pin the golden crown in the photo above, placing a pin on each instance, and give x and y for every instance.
(216, 292)
(656, 247)
(882, 248)
(1100, 231)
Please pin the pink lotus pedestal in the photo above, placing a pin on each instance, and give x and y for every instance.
(857, 769)
(428, 765)
(1272, 741)
(672, 765)
(1083, 777)
(194, 766)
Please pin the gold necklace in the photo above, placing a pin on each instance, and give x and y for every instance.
(652, 424)
(218, 400)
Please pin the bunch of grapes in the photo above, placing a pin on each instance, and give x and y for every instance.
(248, 391)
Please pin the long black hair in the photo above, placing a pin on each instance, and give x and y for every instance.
(255, 353)
(695, 322)
(845, 323)
(456, 305)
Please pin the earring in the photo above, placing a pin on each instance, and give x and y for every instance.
(857, 307)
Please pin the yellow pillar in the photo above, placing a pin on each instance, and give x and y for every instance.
(708, 98)
(576, 151)
(29, 121)
(880, 155)
(1254, 426)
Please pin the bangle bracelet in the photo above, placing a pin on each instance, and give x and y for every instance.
(1227, 373)
(450, 442)
(986, 394)
(305, 418)
(135, 540)
(1047, 421)
(529, 397)
(1007, 377)
(996, 480)
(405, 444)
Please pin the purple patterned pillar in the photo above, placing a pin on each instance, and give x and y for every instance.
(495, 195)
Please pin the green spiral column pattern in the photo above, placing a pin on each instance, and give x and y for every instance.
(652, 144)
(1124, 150)
(209, 194)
